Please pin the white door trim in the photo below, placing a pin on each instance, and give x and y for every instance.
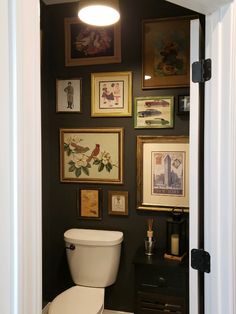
(20, 124)
(220, 161)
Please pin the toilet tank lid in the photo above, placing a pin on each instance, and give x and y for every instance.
(93, 237)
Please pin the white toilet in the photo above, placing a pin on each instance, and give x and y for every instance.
(93, 257)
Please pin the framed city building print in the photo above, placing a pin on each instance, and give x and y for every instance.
(162, 172)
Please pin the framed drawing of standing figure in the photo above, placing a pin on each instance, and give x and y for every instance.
(68, 95)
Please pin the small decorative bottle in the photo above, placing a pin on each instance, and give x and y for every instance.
(149, 241)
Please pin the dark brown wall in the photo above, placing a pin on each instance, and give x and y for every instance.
(59, 199)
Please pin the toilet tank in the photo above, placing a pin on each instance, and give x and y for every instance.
(93, 256)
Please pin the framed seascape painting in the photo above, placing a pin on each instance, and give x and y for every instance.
(89, 203)
(91, 155)
(111, 94)
(166, 52)
(118, 203)
(162, 173)
(154, 112)
(68, 95)
(86, 44)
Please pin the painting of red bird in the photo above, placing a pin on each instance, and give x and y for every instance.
(94, 153)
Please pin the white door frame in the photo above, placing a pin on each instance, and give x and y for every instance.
(20, 220)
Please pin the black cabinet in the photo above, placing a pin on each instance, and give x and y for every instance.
(161, 285)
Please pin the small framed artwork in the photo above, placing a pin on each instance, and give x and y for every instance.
(111, 94)
(118, 203)
(89, 203)
(166, 53)
(68, 95)
(91, 155)
(183, 104)
(162, 173)
(154, 112)
(86, 44)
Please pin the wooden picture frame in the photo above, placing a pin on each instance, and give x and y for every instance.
(162, 172)
(118, 203)
(81, 46)
(68, 95)
(154, 112)
(111, 94)
(166, 52)
(91, 155)
(183, 104)
(89, 203)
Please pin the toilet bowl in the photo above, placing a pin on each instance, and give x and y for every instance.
(93, 257)
(78, 300)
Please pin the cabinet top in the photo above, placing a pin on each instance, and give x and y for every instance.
(157, 259)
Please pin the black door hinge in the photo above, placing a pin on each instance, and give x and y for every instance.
(201, 71)
(200, 260)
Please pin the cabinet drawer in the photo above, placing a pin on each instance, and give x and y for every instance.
(161, 281)
(148, 303)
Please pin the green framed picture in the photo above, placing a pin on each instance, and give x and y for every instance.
(154, 112)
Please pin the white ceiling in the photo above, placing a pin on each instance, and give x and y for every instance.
(48, 2)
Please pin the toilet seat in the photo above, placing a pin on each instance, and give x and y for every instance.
(78, 300)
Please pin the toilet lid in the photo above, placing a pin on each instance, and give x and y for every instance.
(78, 300)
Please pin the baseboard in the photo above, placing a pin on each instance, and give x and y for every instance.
(46, 308)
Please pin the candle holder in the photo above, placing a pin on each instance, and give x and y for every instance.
(176, 236)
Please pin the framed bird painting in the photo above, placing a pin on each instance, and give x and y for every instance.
(91, 155)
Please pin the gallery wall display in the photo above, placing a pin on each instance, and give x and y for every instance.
(166, 51)
(154, 112)
(89, 203)
(118, 203)
(162, 172)
(87, 45)
(68, 95)
(111, 94)
(91, 155)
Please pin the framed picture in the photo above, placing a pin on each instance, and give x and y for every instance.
(162, 172)
(118, 203)
(86, 44)
(91, 155)
(183, 104)
(89, 203)
(68, 95)
(111, 94)
(166, 51)
(154, 112)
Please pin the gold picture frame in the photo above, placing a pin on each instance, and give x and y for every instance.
(118, 203)
(162, 173)
(166, 52)
(91, 155)
(89, 203)
(81, 43)
(111, 94)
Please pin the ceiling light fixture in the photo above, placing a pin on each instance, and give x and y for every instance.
(99, 13)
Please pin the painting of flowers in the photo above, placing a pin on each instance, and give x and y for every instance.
(86, 44)
(92, 155)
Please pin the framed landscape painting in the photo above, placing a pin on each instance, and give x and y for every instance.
(154, 112)
(162, 172)
(91, 155)
(86, 44)
(166, 52)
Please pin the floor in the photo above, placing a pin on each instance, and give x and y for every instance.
(45, 311)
